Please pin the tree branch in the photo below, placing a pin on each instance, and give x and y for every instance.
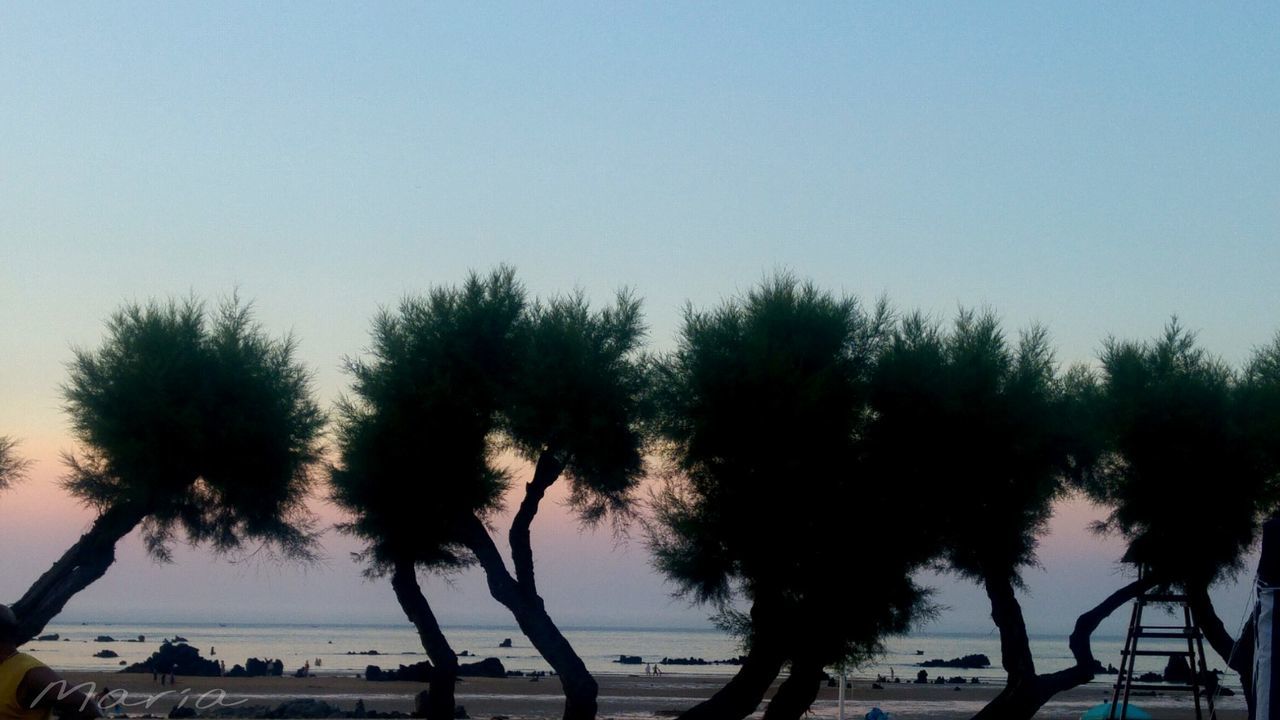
(545, 474)
(78, 568)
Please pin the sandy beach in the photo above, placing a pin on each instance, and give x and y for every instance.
(621, 696)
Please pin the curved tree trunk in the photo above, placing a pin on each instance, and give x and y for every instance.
(444, 661)
(1237, 654)
(743, 694)
(545, 474)
(78, 568)
(580, 688)
(1021, 700)
(1015, 647)
(796, 694)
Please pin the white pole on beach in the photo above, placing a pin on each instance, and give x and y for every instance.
(840, 694)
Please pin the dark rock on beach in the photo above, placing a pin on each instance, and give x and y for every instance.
(488, 667)
(417, 672)
(976, 661)
(421, 672)
(182, 659)
(106, 654)
(253, 667)
(699, 661)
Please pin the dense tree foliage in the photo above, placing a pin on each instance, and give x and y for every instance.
(791, 422)
(452, 380)
(575, 408)
(763, 405)
(415, 442)
(191, 423)
(980, 429)
(1190, 467)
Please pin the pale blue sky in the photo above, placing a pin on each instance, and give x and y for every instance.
(1093, 166)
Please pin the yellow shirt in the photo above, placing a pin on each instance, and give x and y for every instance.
(12, 671)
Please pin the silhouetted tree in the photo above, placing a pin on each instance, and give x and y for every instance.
(985, 433)
(12, 467)
(1191, 468)
(763, 405)
(574, 408)
(415, 444)
(191, 424)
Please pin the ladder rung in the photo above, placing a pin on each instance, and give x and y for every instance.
(1167, 634)
(1169, 686)
(1159, 653)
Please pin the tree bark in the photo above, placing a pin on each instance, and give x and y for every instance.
(580, 688)
(78, 568)
(1237, 654)
(796, 694)
(743, 694)
(444, 661)
(1023, 699)
(545, 474)
(1015, 646)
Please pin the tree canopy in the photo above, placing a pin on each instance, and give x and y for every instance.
(201, 422)
(416, 440)
(1189, 468)
(190, 423)
(578, 394)
(975, 426)
(764, 405)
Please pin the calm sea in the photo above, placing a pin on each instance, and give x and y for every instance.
(348, 649)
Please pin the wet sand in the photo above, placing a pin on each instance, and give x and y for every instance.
(621, 696)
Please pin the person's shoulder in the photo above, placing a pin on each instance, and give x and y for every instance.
(26, 662)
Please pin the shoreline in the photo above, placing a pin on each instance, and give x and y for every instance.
(621, 696)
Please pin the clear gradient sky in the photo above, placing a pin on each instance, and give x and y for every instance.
(1093, 166)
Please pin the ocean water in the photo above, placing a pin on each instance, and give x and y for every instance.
(340, 648)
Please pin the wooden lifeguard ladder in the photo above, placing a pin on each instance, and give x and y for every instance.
(1193, 655)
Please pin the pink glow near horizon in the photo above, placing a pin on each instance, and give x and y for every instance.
(587, 577)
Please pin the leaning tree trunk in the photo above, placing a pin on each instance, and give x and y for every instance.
(1015, 647)
(1237, 654)
(796, 694)
(1023, 698)
(580, 688)
(743, 694)
(78, 568)
(444, 661)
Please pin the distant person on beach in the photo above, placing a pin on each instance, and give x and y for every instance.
(648, 669)
(657, 669)
(173, 674)
(29, 689)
